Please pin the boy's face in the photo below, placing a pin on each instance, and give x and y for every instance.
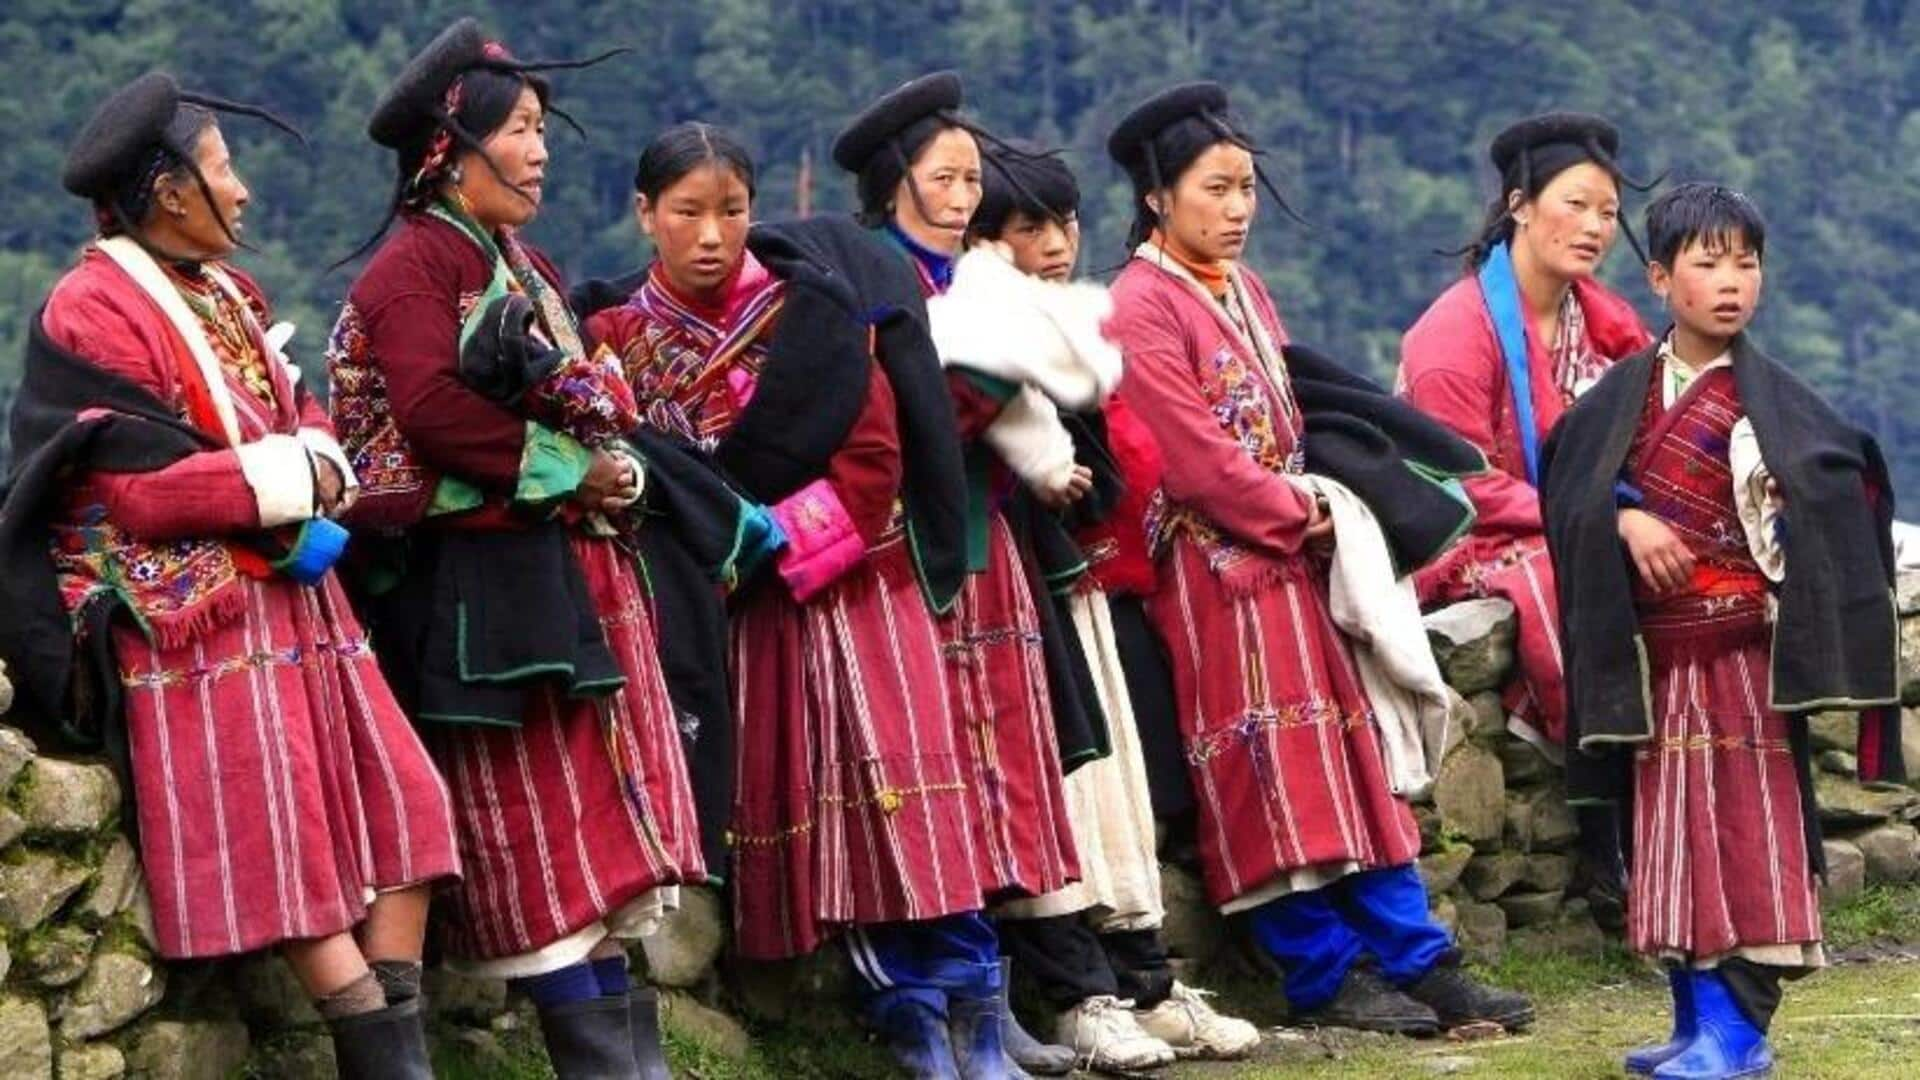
(1043, 247)
(1713, 286)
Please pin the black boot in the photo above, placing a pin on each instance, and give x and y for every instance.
(643, 1012)
(1458, 1000)
(590, 1040)
(1600, 870)
(1026, 1052)
(1367, 1003)
(386, 1044)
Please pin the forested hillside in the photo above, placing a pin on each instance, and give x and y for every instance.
(1375, 116)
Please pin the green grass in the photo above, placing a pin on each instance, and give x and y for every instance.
(1852, 1021)
(1878, 915)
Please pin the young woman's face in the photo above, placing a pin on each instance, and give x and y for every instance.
(182, 220)
(1713, 286)
(1042, 246)
(947, 175)
(1569, 227)
(518, 150)
(1210, 211)
(698, 225)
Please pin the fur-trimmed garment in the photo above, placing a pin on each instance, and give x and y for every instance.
(276, 781)
(1281, 744)
(1452, 367)
(578, 822)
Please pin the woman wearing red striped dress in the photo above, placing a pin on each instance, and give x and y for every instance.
(1299, 826)
(182, 481)
(512, 616)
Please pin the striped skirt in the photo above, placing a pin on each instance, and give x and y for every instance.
(1720, 859)
(997, 684)
(584, 807)
(1109, 804)
(276, 782)
(1281, 744)
(851, 802)
(1520, 572)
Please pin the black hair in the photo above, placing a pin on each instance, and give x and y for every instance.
(125, 209)
(1709, 214)
(1163, 159)
(1045, 190)
(681, 149)
(1529, 174)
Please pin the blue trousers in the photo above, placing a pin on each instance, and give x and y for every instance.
(927, 961)
(1317, 936)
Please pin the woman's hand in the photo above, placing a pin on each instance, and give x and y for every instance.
(1319, 537)
(1079, 481)
(1663, 559)
(612, 482)
(329, 486)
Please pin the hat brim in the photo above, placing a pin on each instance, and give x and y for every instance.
(114, 140)
(1161, 111)
(898, 110)
(406, 110)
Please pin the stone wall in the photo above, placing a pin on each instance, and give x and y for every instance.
(82, 996)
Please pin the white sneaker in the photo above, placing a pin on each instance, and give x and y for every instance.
(1104, 1033)
(1188, 1024)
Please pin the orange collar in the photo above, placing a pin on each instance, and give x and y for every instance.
(1212, 275)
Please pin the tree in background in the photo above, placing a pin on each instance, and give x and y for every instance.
(1375, 116)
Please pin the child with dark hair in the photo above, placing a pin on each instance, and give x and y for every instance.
(1677, 495)
(1095, 947)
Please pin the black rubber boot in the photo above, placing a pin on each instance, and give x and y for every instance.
(643, 1012)
(1367, 1003)
(1025, 1051)
(386, 1044)
(1600, 868)
(1458, 1000)
(590, 1040)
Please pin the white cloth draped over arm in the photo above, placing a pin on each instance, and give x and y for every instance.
(1380, 616)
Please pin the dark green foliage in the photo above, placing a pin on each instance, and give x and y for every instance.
(1375, 114)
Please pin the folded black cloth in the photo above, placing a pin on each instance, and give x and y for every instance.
(1402, 463)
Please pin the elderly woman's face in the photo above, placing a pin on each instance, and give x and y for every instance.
(183, 219)
(947, 177)
(518, 150)
(1569, 227)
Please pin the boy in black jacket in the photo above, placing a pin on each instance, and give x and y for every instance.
(1730, 569)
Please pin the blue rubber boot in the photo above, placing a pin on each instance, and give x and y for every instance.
(915, 1034)
(1643, 1060)
(1726, 1044)
(978, 1047)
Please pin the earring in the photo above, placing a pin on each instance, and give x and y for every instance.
(1520, 222)
(455, 174)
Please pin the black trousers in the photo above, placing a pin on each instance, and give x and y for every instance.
(1071, 963)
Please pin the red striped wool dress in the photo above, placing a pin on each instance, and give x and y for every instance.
(276, 782)
(1281, 745)
(1720, 860)
(997, 688)
(851, 802)
(582, 814)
